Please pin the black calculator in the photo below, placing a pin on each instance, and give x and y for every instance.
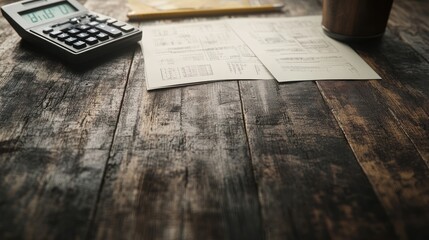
(67, 29)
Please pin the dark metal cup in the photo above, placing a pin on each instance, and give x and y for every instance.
(349, 20)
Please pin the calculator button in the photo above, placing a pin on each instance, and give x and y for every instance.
(118, 24)
(93, 31)
(74, 20)
(47, 30)
(82, 35)
(110, 21)
(65, 30)
(79, 45)
(73, 31)
(84, 27)
(101, 19)
(55, 33)
(62, 36)
(70, 40)
(93, 23)
(127, 28)
(114, 32)
(91, 40)
(102, 36)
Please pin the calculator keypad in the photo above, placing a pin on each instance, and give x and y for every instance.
(87, 30)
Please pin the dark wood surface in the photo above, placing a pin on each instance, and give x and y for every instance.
(90, 154)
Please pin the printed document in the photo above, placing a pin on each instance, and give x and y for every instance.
(296, 49)
(285, 49)
(178, 54)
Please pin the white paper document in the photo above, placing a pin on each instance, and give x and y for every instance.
(180, 54)
(287, 49)
(296, 49)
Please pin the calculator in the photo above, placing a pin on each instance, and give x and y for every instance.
(67, 29)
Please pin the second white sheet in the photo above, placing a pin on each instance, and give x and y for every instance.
(296, 49)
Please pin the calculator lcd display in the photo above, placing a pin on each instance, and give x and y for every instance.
(48, 13)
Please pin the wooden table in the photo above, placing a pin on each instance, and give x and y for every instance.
(92, 155)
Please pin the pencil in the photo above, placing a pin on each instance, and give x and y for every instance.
(204, 12)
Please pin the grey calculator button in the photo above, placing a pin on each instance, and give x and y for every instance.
(93, 31)
(127, 28)
(73, 31)
(91, 40)
(101, 19)
(118, 24)
(79, 45)
(62, 36)
(93, 23)
(102, 36)
(82, 35)
(74, 20)
(114, 32)
(47, 30)
(110, 21)
(55, 33)
(70, 40)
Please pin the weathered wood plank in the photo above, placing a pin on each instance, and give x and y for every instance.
(380, 118)
(56, 131)
(180, 167)
(386, 125)
(385, 153)
(42, 199)
(308, 179)
(405, 92)
(409, 20)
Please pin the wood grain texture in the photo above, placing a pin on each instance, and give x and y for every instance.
(91, 154)
(180, 167)
(405, 92)
(379, 118)
(409, 20)
(309, 181)
(385, 123)
(56, 130)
